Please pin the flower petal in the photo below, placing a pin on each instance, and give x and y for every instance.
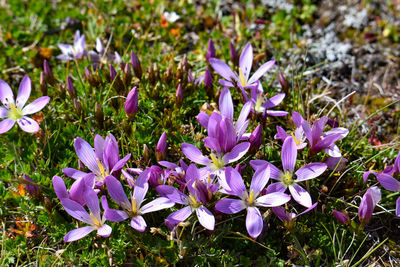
(28, 125)
(260, 180)
(289, 154)
(274, 101)
(232, 182)
(178, 216)
(3, 113)
(36, 105)
(121, 163)
(86, 154)
(104, 231)
(254, 222)
(261, 71)
(244, 113)
(194, 154)
(273, 199)
(6, 125)
(206, 218)
(59, 187)
(388, 182)
(157, 204)
(246, 61)
(99, 144)
(76, 210)
(275, 172)
(116, 191)
(203, 118)
(300, 195)
(115, 215)
(139, 192)
(222, 69)
(276, 113)
(24, 91)
(398, 207)
(310, 171)
(226, 104)
(172, 193)
(6, 94)
(92, 201)
(138, 223)
(236, 153)
(74, 173)
(230, 206)
(276, 187)
(77, 234)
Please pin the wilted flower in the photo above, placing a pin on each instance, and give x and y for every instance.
(289, 218)
(15, 111)
(233, 184)
(76, 51)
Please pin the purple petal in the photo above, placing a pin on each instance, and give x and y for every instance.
(300, 195)
(308, 209)
(111, 153)
(121, 163)
(254, 222)
(275, 172)
(232, 182)
(227, 136)
(73, 173)
(260, 180)
(115, 215)
(213, 128)
(77, 234)
(76, 210)
(367, 173)
(236, 153)
(178, 216)
(276, 187)
(230, 206)
(206, 218)
(327, 142)
(244, 113)
(261, 71)
(77, 191)
(222, 69)
(281, 133)
(273, 199)
(366, 208)
(139, 192)
(276, 113)
(92, 202)
(338, 130)
(297, 119)
(59, 187)
(172, 193)
(24, 91)
(6, 125)
(289, 154)
(310, 171)
(203, 118)
(138, 223)
(388, 182)
(280, 212)
(28, 125)
(246, 61)
(212, 143)
(36, 105)
(86, 154)
(3, 113)
(375, 192)
(194, 154)
(6, 94)
(226, 104)
(157, 204)
(398, 207)
(99, 146)
(104, 231)
(116, 191)
(274, 101)
(168, 165)
(225, 83)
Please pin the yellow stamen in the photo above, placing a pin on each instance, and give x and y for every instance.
(103, 172)
(218, 163)
(15, 113)
(258, 104)
(242, 80)
(95, 220)
(134, 208)
(295, 139)
(287, 178)
(193, 202)
(250, 199)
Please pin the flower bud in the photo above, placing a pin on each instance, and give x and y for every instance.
(342, 217)
(255, 139)
(168, 75)
(118, 85)
(127, 75)
(99, 114)
(368, 203)
(146, 153)
(113, 72)
(70, 87)
(234, 54)
(137, 68)
(43, 83)
(78, 107)
(211, 50)
(150, 72)
(131, 103)
(208, 84)
(161, 147)
(48, 73)
(282, 81)
(179, 96)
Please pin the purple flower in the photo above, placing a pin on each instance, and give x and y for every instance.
(99, 56)
(133, 209)
(210, 50)
(194, 201)
(233, 184)
(262, 105)
(368, 203)
(15, 111)
(131, 103)
(241, 80)
(288, 178)
(298, 135)
(289, 218)
(77, 190)
(71, 52)
(161, 148)
(103, 160)
(342, 217)
(93, 218)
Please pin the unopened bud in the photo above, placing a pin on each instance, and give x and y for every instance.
(131, 103)
(78, 107)
(146, 153)
(43, 83)
(342, 217)
(168, 75)
(98, 112)
(208, 84)
(127, 75)
(48, 73)
(179, 96)
(118, 85)
(161, 148)
(137, 68)
(150, 72)
(234, 54)
(211, 50)
(282, 81)
(70, 87)
(31, 186)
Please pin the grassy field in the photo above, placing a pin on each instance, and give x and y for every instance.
(333, 59)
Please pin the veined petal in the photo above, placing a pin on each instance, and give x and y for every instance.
(74, 173)
(76, 210)
(104, 231)
(77, 191)
(274, 101)
(3, 113)
(327, 142)
(92, 202)
(194, 154)
(178, 216)
(289, 154)
(86, 154)
(99, 146)
(225, 83)
(275, 173)
(6, 94)
(172, 193)
(273, 199)
(261, 71)
(24, 91)
(226, 104)
(338, 130)
(116, 191)
(232, 182)
(36, 105)
(254, 222)
(59, 187)
(244, 113)
(276, 113)
(236, 153)
(139, 192)
(6, 125)
(297, 118)
(203, 118)
(246, 61)
(206, 218)
(115, 215)
(230, 206)
(138, 223)
(222, 69)
(388, 182)
(300, 195)
(77, 234)
(260, 180)
(28, 125)
(157, 204)
(276, 187)
(121, 163)
(227, 135)
(310, 171)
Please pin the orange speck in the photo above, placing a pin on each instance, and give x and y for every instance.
(164, 22)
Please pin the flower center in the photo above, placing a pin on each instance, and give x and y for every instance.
(217, 162)
(134, 206)
(250, 199)
(102, 172)
(96, 221)
(287, 178)
(193, 202)
(242, 80)
(295, 139)
(15, 113)
(258, 106)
